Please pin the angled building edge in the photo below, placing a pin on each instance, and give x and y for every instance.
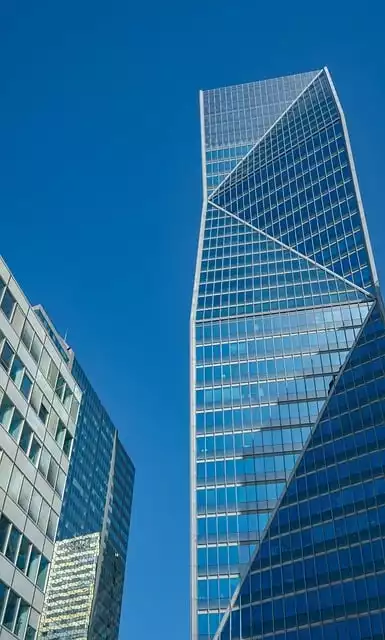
(285, 297)
(319, 571)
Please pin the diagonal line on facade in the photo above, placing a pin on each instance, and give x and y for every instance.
(247, 569)
(355, 181)
(254, 147)
(297, 253)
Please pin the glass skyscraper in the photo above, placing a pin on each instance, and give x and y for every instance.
(70, 595)
(97, 500)
(288, 375)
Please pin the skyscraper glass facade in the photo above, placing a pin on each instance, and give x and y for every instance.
(88, 478)
(97, 500)
(100, 484)
(286, 364)
(70, 595)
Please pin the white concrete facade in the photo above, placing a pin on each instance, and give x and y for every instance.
(39, 403)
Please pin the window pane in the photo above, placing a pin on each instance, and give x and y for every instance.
(60, 434)
(16, 424)
(33, 564)
(52, 423)
(30, 634)
(3, 595)
(18, 319)
(52, 472)
(34, 451)
(17, 371)
(27, 335)
(6, 412)
(15, 484)
(22, 558)
(4, 529)
(67, 444)
(52, 524)
(44, 410)
(26, 386)
(44, 462)
(42, 573)
(67, 398)
(6, 356)
(43, 516)
(35, 504)
(25, 494)
(53, 374)
(21, 619)
(8, 304)
(5, 470)
(44, 363)
(26, 435)
(13, 544)
(74, 409)
(60, 384)
(36, 348)
(36, 398)
(60, 482)
(10, 611)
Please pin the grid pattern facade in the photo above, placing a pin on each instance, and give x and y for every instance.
(87, 487)
(108, 597)
(98, 499)
(70, 595)
(284, 284)
(320, 570)
(39, 401)
(237, 117)
(297, 185)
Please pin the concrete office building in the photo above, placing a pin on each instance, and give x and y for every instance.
(39, 403)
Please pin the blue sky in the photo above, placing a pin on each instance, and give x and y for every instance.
(100, 201)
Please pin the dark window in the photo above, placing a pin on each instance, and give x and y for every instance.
(67, 444)
(23, 554)
(3, 588)
(42, 573)
(13, 544)
(6, 356)
(43, 413)
(60, 386)
(17, 371)
(8, 304)
(4, 528)
(31, 633)
(34, 452)
(26, 386)
(25, 437)
(10, 611)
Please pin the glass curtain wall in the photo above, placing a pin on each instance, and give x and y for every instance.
(284, 284)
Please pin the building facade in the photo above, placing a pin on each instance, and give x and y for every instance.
(70, 594)
(287, 374)
(39, 403)
(97, 500)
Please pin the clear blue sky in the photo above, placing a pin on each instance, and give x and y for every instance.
(100, 202)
